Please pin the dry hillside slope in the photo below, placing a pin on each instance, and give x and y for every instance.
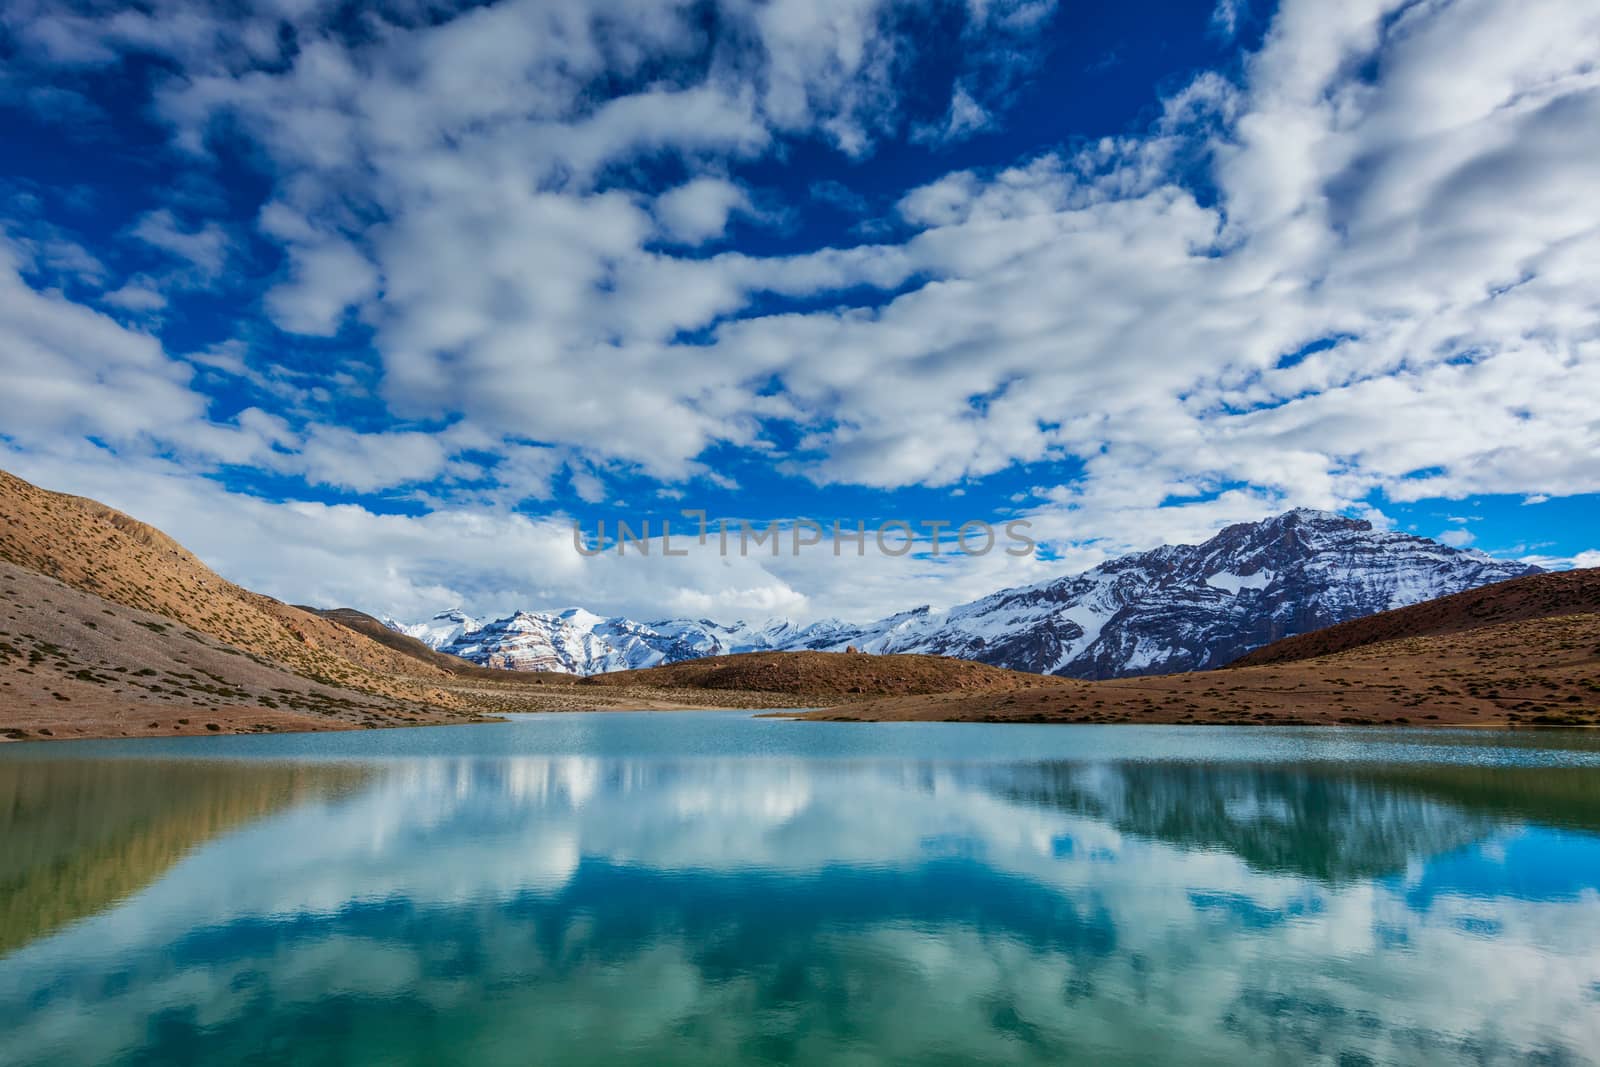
(103, 552)
(1539, 596)
(829, 674)
(73, 664)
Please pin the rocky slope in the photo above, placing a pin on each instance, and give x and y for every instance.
(1175, 608)
(73, 664)
(108, 627)
(1193, 607)
(105, 553)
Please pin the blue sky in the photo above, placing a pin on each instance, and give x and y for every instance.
(369, 303)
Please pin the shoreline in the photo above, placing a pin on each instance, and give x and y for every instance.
(181, 721)
(192, 726)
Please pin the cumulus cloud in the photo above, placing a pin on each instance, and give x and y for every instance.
(72, 372)
(698, 211)
(1121, 321)
(204, 248)
(1363, 264)
(326, 277)
(137, 295)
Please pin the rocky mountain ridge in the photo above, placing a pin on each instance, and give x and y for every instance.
(1173, 608)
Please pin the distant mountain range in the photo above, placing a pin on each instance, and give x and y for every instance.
(1175, 608)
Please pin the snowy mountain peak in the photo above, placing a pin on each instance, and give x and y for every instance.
(1190, 607)
(442, 629)
(579, 617)
(1315, 516)
(1173, 608)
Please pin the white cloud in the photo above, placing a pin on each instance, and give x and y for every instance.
(47, 250)
(1090, 300)
(1389, 285)
(827, 59)
(698, 211)
(1225, 16)
(965, 118)
(325, 278)
(72, 372)
(364, 462)
(1587, 558)
(204, 248)
(137, 295)
(497, 276)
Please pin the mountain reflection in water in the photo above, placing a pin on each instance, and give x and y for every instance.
(579, 909)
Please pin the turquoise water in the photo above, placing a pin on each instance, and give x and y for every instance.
(716, 888)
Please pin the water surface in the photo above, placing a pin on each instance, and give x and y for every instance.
(694, 888)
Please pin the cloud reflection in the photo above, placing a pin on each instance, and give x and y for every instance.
(575, 909)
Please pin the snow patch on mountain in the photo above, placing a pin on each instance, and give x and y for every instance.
(1229, 582)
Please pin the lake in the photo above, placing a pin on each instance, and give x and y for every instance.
(702, 888)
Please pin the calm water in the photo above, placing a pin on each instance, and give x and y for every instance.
(716, 888)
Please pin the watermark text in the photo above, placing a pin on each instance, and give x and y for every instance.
(893, 537)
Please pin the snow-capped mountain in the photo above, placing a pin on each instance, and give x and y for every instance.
(1174, 608)
(1192, 607)
(440, 630)
(573, 641)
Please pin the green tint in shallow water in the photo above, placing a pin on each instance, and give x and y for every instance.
(687, 888)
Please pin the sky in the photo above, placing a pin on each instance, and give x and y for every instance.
(371, 304)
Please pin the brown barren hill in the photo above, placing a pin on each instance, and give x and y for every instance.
(1538, 596)
(101, 551)
(108, 627)
(73, 664)
(830, 674)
